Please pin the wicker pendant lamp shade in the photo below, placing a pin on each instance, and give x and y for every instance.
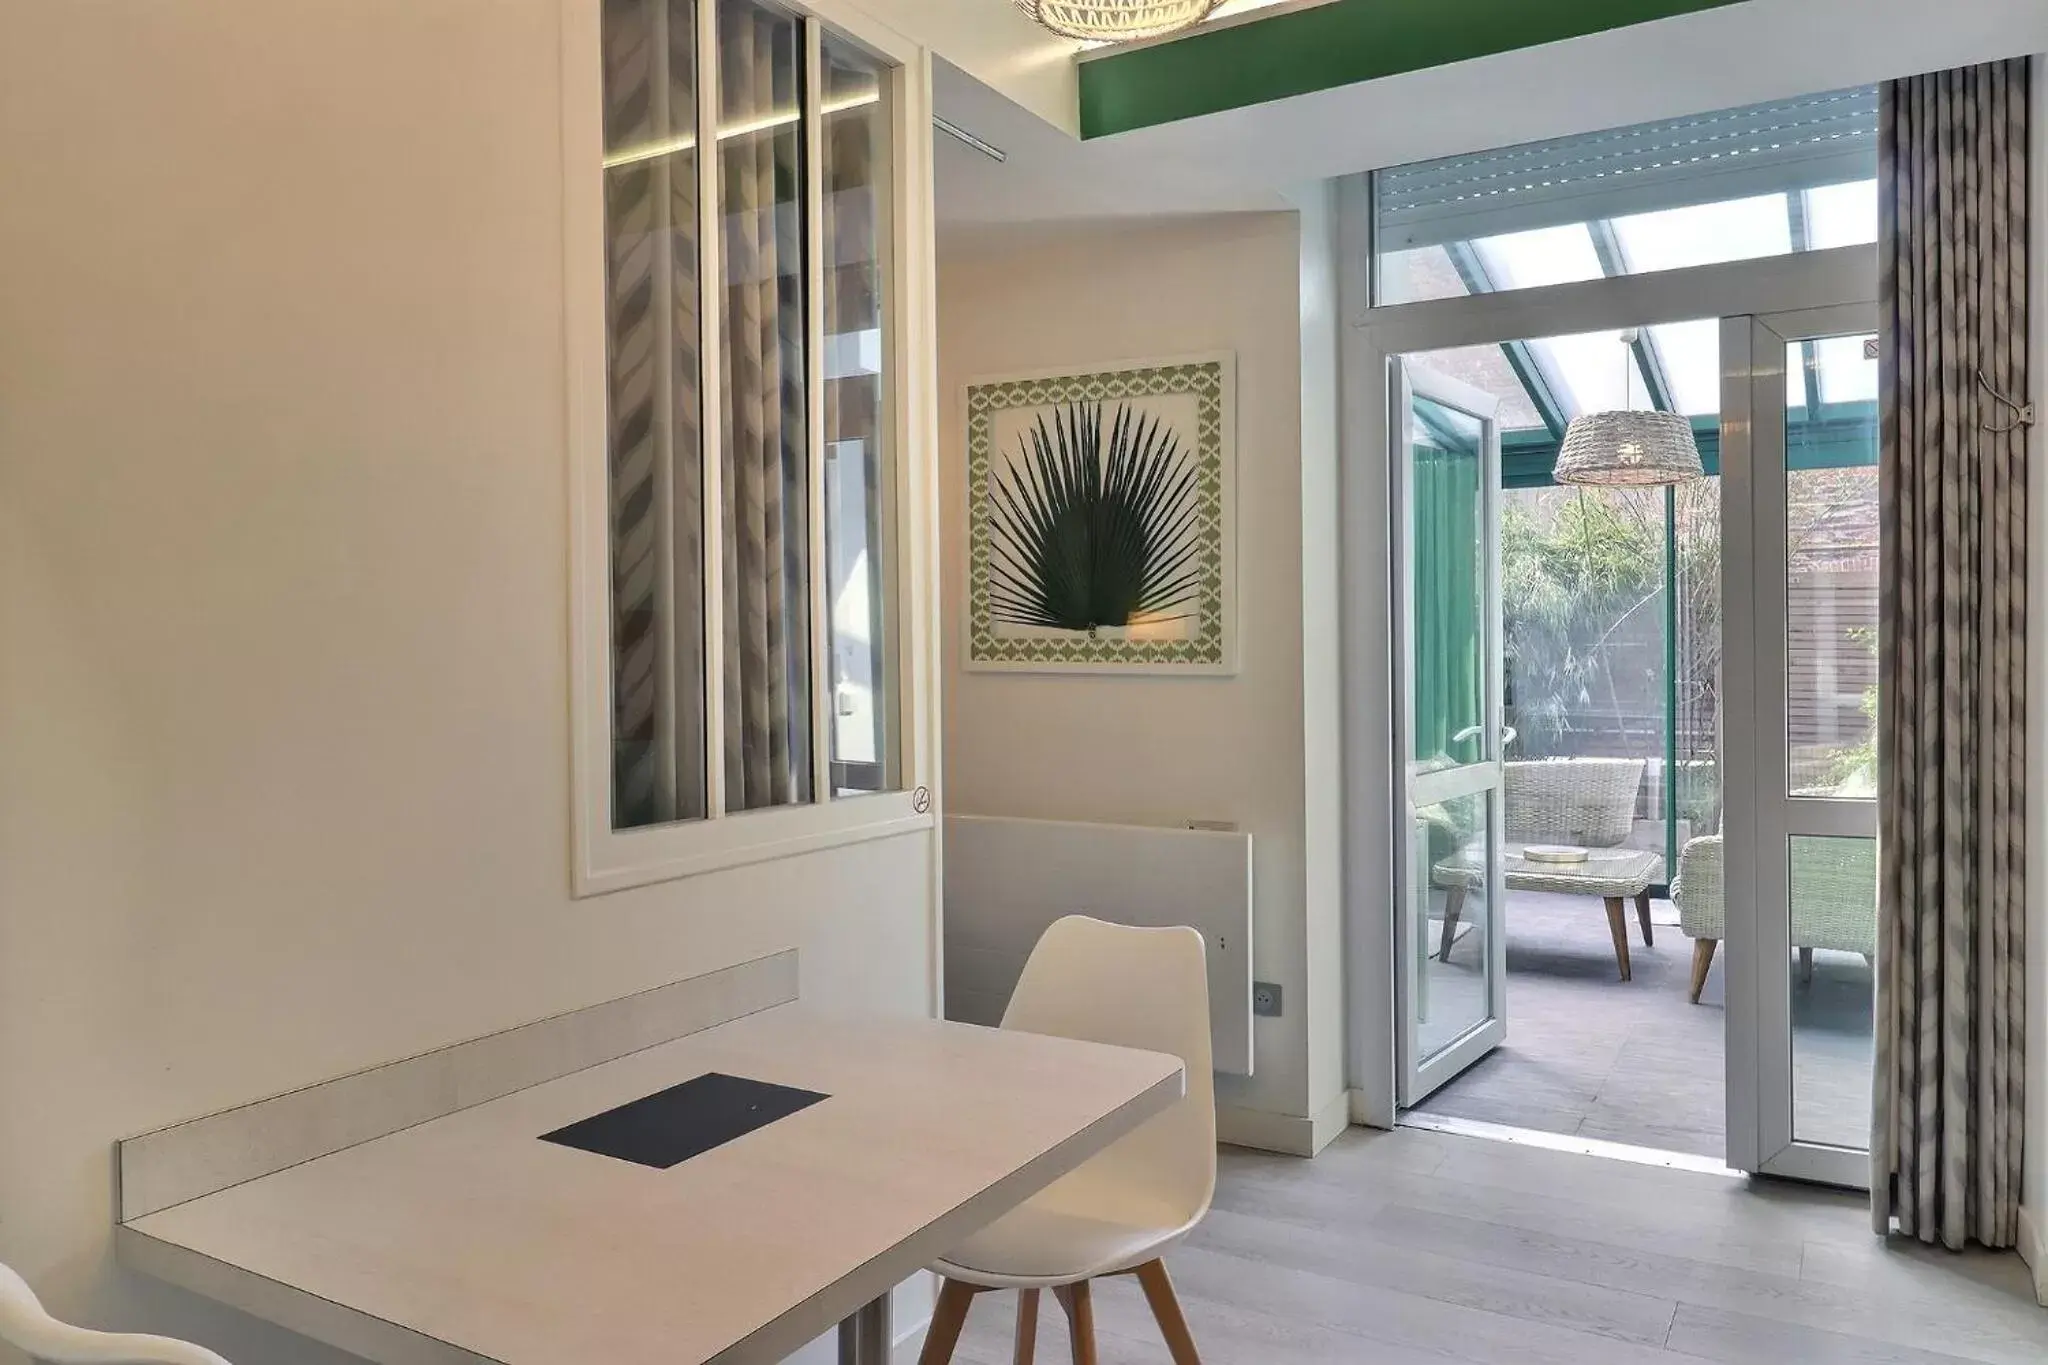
(1629, 450)
(1117, 21)
(1628, 447)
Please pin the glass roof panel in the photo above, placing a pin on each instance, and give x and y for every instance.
(1486, 368)
(1691, 355)
(1706, 234)
(1845, 376)
(1541, 256)
(1594, 371)
(1841, 215)
(1422, 273)
(1806, 166)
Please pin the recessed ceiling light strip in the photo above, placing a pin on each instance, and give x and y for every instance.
(782, 118)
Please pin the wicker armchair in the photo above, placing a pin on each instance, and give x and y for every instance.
(1590, 802)
(1834, 900)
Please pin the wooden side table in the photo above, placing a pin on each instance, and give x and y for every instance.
(1614, 875)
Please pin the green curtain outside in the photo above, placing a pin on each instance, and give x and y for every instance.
(1450, 647)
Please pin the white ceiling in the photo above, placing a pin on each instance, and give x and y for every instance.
(1245, 159)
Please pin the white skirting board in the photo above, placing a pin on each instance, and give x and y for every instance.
(1007, 879)
(1287, 1134)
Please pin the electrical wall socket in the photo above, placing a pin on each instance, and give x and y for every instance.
(1266, 999)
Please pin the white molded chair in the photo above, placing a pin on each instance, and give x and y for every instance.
(26, 1327)
(1120, 1212)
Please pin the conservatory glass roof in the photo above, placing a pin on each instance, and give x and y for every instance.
(1774, 179)
(1675, 366)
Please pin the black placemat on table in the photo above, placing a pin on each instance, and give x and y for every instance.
(670, 1126)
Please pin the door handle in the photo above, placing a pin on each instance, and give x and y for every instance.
(1508, 734)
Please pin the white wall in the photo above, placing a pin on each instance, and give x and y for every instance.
(283, 597)
(997, 44)
(1322, 681)
(1151, 750)
(2034, 1192)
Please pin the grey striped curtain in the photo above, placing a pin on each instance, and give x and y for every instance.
(763, 410)
(1951, 1001)
(657, 467)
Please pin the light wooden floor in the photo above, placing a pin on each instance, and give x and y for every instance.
(1418, 1248)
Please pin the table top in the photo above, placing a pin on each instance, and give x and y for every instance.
(1605, 872)
(470, 1232)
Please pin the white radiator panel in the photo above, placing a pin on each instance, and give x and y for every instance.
(1007, 880)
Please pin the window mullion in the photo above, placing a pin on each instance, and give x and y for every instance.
(710, 274)
(824, 696)
(893, 488)
(671, 687)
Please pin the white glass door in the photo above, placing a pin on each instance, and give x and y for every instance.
(1448, 940)
(1799, 479)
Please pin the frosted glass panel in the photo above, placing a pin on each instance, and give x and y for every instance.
(653, 399)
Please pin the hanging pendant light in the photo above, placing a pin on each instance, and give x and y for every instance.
(1117, 21)
(1629, 448)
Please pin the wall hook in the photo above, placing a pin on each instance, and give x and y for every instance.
(2022, 413)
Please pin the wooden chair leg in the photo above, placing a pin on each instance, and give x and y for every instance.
(1617, 928)
(949, 1315)
(1027, 1326)
(1158, 1286)
(1702, 963)
(1080, 1320)
(1643, 917)
(1454, 908)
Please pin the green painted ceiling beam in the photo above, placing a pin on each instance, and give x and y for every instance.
(1339, 43)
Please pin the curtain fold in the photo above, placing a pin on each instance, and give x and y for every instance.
(766, 569)
(1949, 1092)
(652, 337)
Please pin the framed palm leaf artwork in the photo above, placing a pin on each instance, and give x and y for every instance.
(1101, 523)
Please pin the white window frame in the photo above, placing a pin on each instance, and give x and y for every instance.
(1762, 1121)
(1370, 338)
(605, 859)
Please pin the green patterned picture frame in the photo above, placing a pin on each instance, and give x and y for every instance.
(1194, 397)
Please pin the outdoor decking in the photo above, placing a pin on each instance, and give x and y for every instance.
(1590, 1056)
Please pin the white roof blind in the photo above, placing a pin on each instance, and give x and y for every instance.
(1707, 158)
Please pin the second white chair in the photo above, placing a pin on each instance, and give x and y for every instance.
(1120, 1212)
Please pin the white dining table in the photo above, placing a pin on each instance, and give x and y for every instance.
(468, 1239)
